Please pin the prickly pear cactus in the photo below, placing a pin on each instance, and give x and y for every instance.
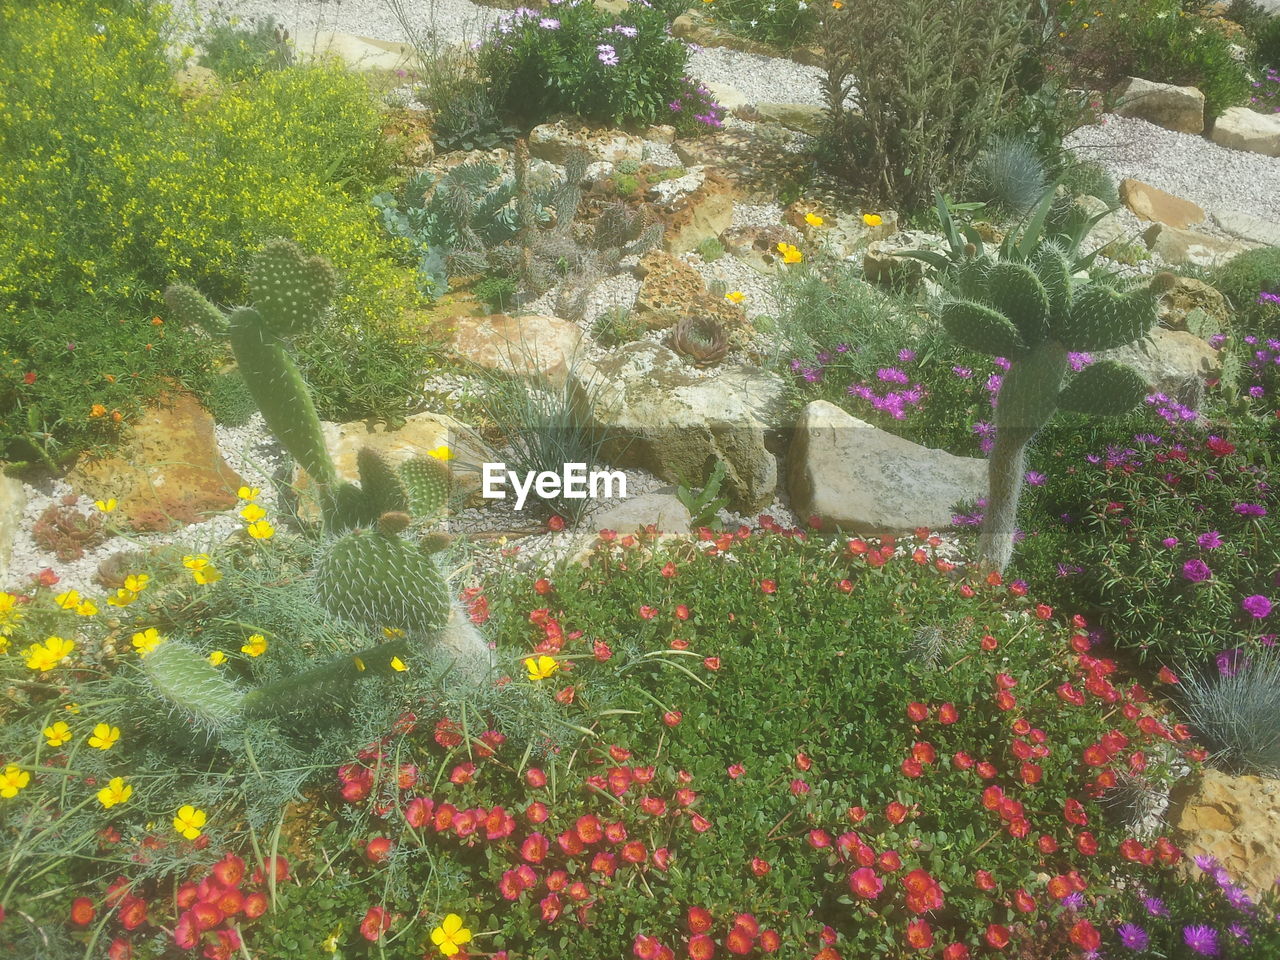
(382, 581)
(1033, 313)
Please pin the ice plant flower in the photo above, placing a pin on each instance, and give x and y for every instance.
(116, 791)
(255, 646)
(13, 779)
(56, 734)
(1201, 939)
(450, 935)
(146, 641)
(104, 736)
(540, 668)
(189, 821)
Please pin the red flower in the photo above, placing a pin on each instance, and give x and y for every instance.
(890, 861)
(634, 852)
(895, 812)
(1046, 844)
(646, 948)
(923, 752)
(997, 936)
(375, 924)
(770, 941)
(378, 849)
(1031, 773)
(966, 591)
(701, 947)
(120, 949)
(948, 714)
(672, 718)
(961, 760)
(682, 612)
(917, 712)
(819, 839)
(1220, 447)
(448, 733)
(556, 523)
(1167, 676)
(1095, 755)
(983, 880)
(912, 768)
(955, 951)
(768, 586)
(856, 814)
(700, 920)
(738, 941)
(535, 847)
(799, 787)
(255, 905)
(989, 642)
(1023, 902)
(82, 911)
(845, 586)
(759, 867)
(1085, 936)
(864, 883)
(1044, 611)
(542, 587)
(919, 934)
(736, 770)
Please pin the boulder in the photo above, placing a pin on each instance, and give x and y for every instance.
(670, 287)
(419, 434)
(1165, 105)
(660, 414)
(727, 95)
(1246, 226)
(1188, 295)
(664, 511)
(1236, 820)
(166, 474)
(1243, 129)
(533, 345)
(1174, 362)
(758, 246)
(867, 481)
(662, 133)
(1191, 247)
(1151, 203)
(13, 501)
(802, 117)
(692, 208)
(556, 141)
(883, 263)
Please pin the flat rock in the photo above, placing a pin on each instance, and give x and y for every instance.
(660, 414)
(1164, 104)
(758, 246)
(868, 481)
(556, 141)
(1240, 128)
(690, 216)
(805, 118)
(726, 94)
(664, 511)
(1174, 362)
(1190, 247)
(13, 501)
(167, 474)
(1247, 226)
(668, 289)
(752, 156)
(360, 53)
(1151, 203)
(419, 434)
(1236, 820)
(532, 345)
(1188, 295)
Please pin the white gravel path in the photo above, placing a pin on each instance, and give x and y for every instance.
(1187, 166)
(758, 78)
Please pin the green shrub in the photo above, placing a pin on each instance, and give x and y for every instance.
(1246, 280)
(783, 24)
(235, 52)
(578, 59)
(1090, 179)
(229, 400)
(933, 80)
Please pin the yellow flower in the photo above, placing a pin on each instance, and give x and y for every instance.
(97, 410)
(86, 608)
(189, 821)
(104, 736)
(209, 574)
(330, 944)
(261, 530)
(147, 641)
(106, 506)
(540, 668)
(391, 633)
(837, 5)
(196, 561)
(252, 512)
(790, 254)
(256, 645)
(217, 658)
(813, 220)
(122, 597)
(248, 493)
(397, 664)
(46, 656)
(441, 452)
(116, 791)
(9, 613)
(57, 734)
(136, 582)
(450, 935)
(737, 296)
(72, 708)
(67, 600)
(872, 219)
(12, 780)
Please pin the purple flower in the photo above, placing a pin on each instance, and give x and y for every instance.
(606, 54)
(1069, 570)
(1230, 661)
(1257, 606)
(1240, 933)
(1250, 509)
(1237, 897)
(1155, 906)
(1196, 571)
(1073, 900)
(624, 30)
(1206, 862)
(1218, 339)
(905, 355)
(964, 373)
(1170, 542)
(549, 23)
(1079, 361)
(1202, 940)
(1035, 478)
(1133, 936)
(1210, 541)
(1003, 364)
(891, 375)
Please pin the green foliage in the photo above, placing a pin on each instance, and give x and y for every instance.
(1242, 279)
(933, 80)
(498, 293)
(535, 73)
(616, 326)
(229, 400)
(1236, 709)
(705, 504)
(1009, 176)
(1090, 179)
(235, 52)
(711, 249)
(784, 24)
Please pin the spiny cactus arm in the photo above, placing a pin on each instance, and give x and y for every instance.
(382, 582)
(426, 482)
(1004, 487)
(1108, 388)
(190, 684)
(290, 290)
(649, 238)
(979, 327)
(1053, 268)
(1102, 317)
(329, 682)
(1029, 392)
(381, 485)
(187, 305)
(1015, 291)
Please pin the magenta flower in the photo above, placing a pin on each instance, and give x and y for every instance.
(1133, 936)
(1196, 571)
(1201, 939)
(1169, 542)
(1257, 606)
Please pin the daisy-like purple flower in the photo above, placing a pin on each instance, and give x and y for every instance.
(606, 54)
(1133, 936)
(1240, 933)
(1257, 606)
(1201, 939)
(964, 373)
(1196, 571)
(1079, 361)
(1206, 862)
(1210, 541)
(549, 23)
(1035, 478)
(1250, 509)
(1155, 906)
(906, 355)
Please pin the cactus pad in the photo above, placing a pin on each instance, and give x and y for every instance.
(290, 290)
(426, 481)
(981, 328)
(1103, 317)
(1014, 290)
(187, 305)
(190, 684)
(383, 582)
(1105, 389)
(382, 487)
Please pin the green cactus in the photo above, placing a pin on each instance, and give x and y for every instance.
(188, 682)
(1030, 311)
(383, 582)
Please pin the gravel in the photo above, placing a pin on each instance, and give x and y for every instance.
(1187, 166)
(758, 78)
(452, 21)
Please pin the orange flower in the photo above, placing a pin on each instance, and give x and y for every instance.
(97, 410)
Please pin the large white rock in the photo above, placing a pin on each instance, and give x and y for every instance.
(1174, 362)
(360, 53)
(1246, 226)
(1243, 129)
(660, 414)
(533, 345)
(1191, 247)
(1165, 105)
(867, 481)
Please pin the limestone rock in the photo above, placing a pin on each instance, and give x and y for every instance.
(867, 481)
(883, 263)
(1237, 821)
(801, 117)
(660, 414)
(1243, 129)
(168, 472)
(1151, 203)
(1189, 294)
(1174, 362)
(661, 133)
(1190, 247)
(360, 53)
(691, 216)
(556, 141)
(1165, 105)
(726, 94)
(669, 288)
(662, 510)
(533, 345)
(1246, 226)
(745, 154)
(13, 500)
(420, 433)
(758, 246)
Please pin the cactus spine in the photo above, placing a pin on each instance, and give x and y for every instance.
(1033, 314)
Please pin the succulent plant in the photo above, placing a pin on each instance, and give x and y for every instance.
(1034, 313)
(701, 338)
